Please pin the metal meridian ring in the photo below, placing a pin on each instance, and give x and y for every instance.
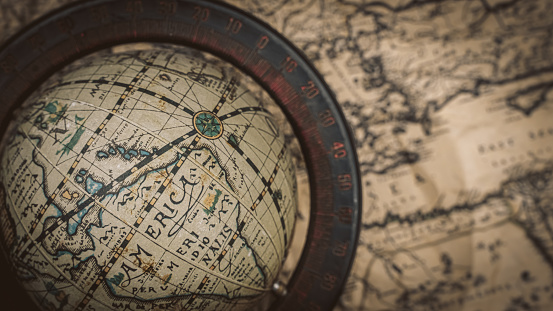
(81, 28)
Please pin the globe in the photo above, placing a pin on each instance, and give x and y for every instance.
(146, 180)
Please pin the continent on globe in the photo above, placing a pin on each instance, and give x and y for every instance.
(146, 180)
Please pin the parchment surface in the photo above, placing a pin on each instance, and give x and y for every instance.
(451, 104)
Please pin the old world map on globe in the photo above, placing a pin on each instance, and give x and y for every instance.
(450, 103)
(158, 154)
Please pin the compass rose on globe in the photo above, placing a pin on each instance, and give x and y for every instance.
(208, 124)
(150, 158)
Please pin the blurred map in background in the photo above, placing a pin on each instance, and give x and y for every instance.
(451, 105)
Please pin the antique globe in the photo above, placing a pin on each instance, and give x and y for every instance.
(147, 180)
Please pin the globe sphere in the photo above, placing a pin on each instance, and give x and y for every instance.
(146, 180)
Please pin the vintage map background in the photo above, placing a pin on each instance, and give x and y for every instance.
(451, 104)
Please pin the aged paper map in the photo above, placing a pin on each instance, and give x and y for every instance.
(450, 103)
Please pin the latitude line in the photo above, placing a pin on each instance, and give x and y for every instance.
(191, 132)
(51, 198)
(103, 109)
(266, 184)
(129, 85)
(41, 252)
(242, 110)
(151, 203)
(133, 231)
(64, 218)
(205, 270)
(230, 85)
